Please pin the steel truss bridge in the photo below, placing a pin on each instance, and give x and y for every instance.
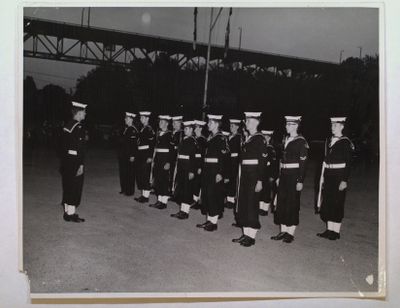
(45, 39)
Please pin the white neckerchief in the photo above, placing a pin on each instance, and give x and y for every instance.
(288, 140)
(334, 139)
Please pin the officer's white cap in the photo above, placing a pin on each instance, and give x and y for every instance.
(199, 123)
(177, 118)
(145, 113)
(296, 119)
(79, 105)
(267, 132)
(234, 121)
(164, 117)
(252, 114)
(188, 123)
(217, 117)
(130, 114)
(338, 119)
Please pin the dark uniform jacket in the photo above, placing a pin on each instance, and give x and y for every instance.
(164, 148)
(201, 150)
(146, 143)
(295, 152)
(128, 142)
(73, 153)
(339, 152)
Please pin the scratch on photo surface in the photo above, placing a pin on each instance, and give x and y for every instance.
(361, 294)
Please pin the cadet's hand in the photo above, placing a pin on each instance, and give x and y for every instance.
(226, 181)
(299, 186)
(218, 178)
(149, 160)
(191, 175)
(277, 182)
(166, 166)
(258, 186)
(342, 185)
(271, 180)
(132, 159)
(199, 171)
(80, 171)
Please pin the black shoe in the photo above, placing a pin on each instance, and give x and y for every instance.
(240, 239)
(202, 225)
(235, 224)
(180, 215)
(142, 199)
(211, 227)
(121, 192)
(288, 238)
(229, 205)
(73, 218)
(220, 216)
(196, 206)
(262, 212)
(160, 206)
(324, 234)
(247, 241)
(155, 204)
(333, 236)
(279, 236)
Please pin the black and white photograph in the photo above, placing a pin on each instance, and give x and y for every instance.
(205, 151)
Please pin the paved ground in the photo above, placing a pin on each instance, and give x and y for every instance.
(129, 247)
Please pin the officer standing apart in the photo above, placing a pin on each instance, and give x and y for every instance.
(144, 157)
(251, 174)
(201, 149)
(177, 136)
(126, 155)
(214, 171)
(270, 173)
(187, 165)
(334, 178)
(161, 165)
(291, 179)
(72, 160)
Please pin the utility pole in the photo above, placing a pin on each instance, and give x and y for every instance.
(212, 24)
(340, 58)
(240, 37)
(360, 47)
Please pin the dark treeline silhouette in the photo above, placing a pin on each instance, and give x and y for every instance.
(351, 90)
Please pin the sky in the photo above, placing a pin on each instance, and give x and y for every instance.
(316, 33)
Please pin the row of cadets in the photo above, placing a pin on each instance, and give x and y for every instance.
(186, 168)
(250, 180)
(334, 178)
(177, 136)
(270, 174)
(234, 143)
(72, 163)
(201, 149)
(127, 151)
(161, 165)
(216, 159)
(146, 140)
(291, 178)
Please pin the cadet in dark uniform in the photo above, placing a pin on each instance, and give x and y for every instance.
(126, 155)
(161, 165)
(235, 144)
(290, 182)
(214, 171)
(72, 160)
(187, 166)
(177, 136)
(334, 178)
(270, 174)
(201, 149)
(251, 175)
(144, 157)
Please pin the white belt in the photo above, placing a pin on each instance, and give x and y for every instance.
(250, 162)
(211, 160)
(198, 155)
(162, 150)
(290, 166)
(234, 154)
(335, 166)
(183, 156)
(143, 147)
(72, 152)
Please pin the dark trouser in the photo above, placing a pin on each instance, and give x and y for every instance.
(72, 185)
(212, 194)
(232, 185)
(161, 177)
(332, 206)
(248, 199)
(288, 202)
(266, 191)
(143, 173)
(126, 175)
(184, 187)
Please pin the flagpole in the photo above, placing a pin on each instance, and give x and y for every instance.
(207, 64)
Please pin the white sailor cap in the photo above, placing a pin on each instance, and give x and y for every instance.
(217, 117)
(255, 115)
(338, 119)
(130, 114)
(199, 123)
(177, 118)
(188, 123)
(234, 121)
(225, 133)
(79, 105)
(267, 132)
(164, 117)
(145, 113)
(296, 119)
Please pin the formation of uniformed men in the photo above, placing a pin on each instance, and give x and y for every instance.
(239, 170)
